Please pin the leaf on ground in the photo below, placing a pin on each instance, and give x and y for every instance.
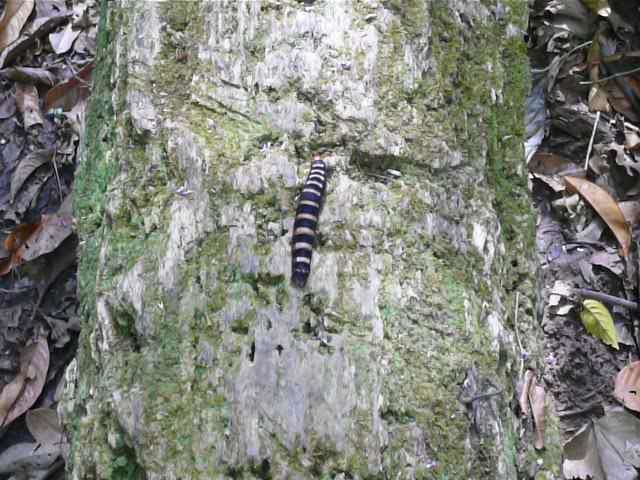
(26, 167)
(27, 101)
(548, 163)
(27, 386)
(29, 75)
(28, 456)
(7, 105)
(62, 41)
(598, 322)
(32, 240)
(608, 448)
(537, 400)
(66, 94)
(627, 386)
(608, 209)
(51, 232)
(44, 426)
(14, 16)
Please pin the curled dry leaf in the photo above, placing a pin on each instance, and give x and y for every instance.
(14, 16)
(27, 101)
(627, 386)
(44, 426)
(537, 399)
(23, 391)
(605, 206)
(524, 395)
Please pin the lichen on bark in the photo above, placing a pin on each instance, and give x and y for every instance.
(198, 358)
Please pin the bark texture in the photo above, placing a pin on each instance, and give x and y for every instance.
(198, 359)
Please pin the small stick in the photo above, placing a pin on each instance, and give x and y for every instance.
(564, 57)
(593, 136)
(55, 168)
(611, 77)
(515, 326)
(606, 298)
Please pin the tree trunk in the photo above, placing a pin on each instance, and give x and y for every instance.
(198, 358)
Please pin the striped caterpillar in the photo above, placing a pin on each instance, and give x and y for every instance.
(304, 227)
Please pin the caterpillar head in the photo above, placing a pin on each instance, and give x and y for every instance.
(300, 274)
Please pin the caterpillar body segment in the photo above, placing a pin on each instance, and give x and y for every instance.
(306, 222)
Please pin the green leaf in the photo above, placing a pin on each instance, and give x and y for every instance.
(598, 322)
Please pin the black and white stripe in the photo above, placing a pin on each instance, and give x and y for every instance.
(304, 227)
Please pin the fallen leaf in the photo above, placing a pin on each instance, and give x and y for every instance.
(30, 241)
(28, 456)
(7, 105)
(27, 101)
(14, 16)
(51, 232)
(605, 206)
(627, 386)
(537, 400)
(44, 426)
(32, 34)
(548, 163)
(34, 364)
(26, 167)
(29, 75)
(598, 322)
(66, 94)
(606, 449)
(62, 41)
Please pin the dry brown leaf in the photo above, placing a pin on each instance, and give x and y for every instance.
(31, 240)
(67, 94)
(34, 364)
(537, 399)
(548, 163)
(27, 101)
(26, 167)
(14, 16)
(44, 426)
(524, 395)
(604, 204)
(627, 386)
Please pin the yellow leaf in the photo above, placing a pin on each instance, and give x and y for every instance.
(598, 322)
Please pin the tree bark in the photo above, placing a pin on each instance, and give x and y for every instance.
(198, 358)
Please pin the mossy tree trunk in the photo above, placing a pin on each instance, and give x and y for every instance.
(198, 358)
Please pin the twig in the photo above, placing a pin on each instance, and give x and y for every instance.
(55, 168)
(593, 136)
(610, 77)
(606, 298)
(515, 326)
(563, 58)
